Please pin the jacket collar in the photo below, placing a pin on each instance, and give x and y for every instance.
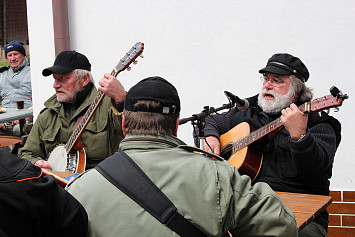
(149, 142)
(20, 67)
(54, 104)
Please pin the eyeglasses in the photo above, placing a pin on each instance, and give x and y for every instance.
(274, 80)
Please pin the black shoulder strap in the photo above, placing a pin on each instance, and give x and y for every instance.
(127, 176)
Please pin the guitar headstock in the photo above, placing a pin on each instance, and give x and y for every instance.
(129, 58)
(334, 100)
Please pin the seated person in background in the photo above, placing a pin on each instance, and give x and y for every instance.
(75, 91)
(33, 205)
(206, 189)
(299, 156)
(15, 84)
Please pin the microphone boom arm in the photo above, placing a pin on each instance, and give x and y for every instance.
(206, 112)
(200, 119)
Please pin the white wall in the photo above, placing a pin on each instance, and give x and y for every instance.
(206, 47)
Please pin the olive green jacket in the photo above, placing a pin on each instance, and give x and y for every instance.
(206, 190)
(101, 137)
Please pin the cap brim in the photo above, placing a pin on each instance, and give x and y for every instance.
(276, 70)
(56, 69)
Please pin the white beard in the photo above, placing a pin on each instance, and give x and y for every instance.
(278, 103)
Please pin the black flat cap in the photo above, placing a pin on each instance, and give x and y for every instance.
(286, 64)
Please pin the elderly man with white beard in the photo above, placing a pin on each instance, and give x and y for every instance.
(298, 157)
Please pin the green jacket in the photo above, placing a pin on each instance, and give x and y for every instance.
(206, 190)
(101, 137)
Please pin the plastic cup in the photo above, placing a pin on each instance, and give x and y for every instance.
(20, 104)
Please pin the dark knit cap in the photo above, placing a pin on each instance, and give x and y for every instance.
(66, 62)
(286, 64)
(15, 45)
(155, 89)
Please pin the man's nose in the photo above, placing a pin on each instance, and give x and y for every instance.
(268, 85)
(56, 84)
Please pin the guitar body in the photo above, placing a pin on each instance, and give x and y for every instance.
(62, 161)
(246, 160)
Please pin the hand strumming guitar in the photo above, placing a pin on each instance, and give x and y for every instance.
(43, 164)
(214, 144)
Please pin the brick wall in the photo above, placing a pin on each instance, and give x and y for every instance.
(342, 214)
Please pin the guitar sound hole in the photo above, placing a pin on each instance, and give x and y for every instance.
(226, 154)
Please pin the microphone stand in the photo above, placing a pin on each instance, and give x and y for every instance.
(198, 120)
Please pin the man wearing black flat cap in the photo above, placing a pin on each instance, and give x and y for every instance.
(298, 157)
(208, 196)
(75, 91)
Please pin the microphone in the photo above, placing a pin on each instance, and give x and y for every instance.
(242, 104)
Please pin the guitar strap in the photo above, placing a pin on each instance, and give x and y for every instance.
(127, 176)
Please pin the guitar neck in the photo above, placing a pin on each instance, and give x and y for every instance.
(123, 64)
(264, 130)
(318, 104)
(257, 134)
(78, 130)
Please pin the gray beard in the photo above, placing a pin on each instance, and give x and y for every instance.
(68, 98)
(279, 103)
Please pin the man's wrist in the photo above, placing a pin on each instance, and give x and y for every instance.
(120, 97)
(117, 108)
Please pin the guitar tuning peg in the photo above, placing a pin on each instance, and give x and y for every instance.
(129, 69)
(135, 62)
(334, 91)
(141, 56)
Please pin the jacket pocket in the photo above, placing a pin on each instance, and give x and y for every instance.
(97, 125)
(50, 139)
(49, 135)
(96, 139)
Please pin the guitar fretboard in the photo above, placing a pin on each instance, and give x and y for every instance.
(259, 133)
(123, 64)
(82, 124)
(256, 135)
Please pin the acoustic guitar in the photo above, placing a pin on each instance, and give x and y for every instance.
(71, 157)
(236, 144)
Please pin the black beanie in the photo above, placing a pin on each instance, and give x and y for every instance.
(15, 45)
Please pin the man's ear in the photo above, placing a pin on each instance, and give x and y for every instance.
(123, 125)
(85, 79)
